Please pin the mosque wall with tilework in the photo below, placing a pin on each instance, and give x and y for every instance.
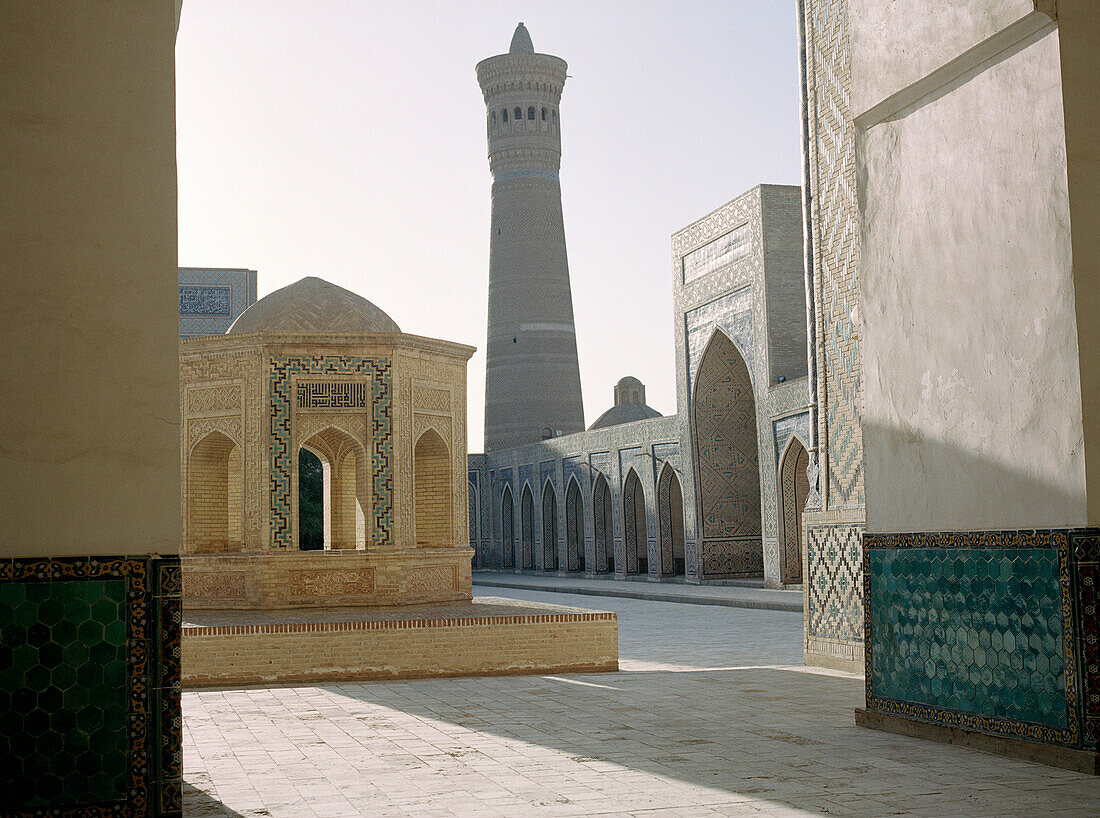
(211, 298)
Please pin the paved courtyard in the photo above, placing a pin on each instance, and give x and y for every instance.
(712, 713)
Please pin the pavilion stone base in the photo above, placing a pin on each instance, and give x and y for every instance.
(324, 579)
(485, 637)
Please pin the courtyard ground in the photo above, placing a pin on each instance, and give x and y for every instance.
(712, 713)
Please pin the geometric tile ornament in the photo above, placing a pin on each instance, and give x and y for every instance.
(527, 528)
(603, 524)
(89, 686)
(282, 368)
(727, 461)
(574, 527)
(835, 238)
(980, 630)
(835, 589)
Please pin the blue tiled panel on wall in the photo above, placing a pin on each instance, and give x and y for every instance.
(970, 629)
(974, 630)
(212, 298)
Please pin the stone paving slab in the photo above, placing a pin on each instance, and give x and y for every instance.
(731, 596)
(711, 714)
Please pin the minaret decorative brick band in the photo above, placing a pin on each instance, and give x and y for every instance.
(532, 377)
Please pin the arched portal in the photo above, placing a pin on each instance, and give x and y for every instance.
(793, 489)
(345, 489)
(527, 528)
(727, 462)
(507, 529)
(311, 501)
(603, 526)
(549, 528)
(433, 501)
(634, 523)
(670, 515)
(215, 496)
(574, 528)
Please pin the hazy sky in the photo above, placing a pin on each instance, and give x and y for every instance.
(346, 140)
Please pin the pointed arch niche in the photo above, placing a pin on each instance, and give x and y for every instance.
(345, 489)
(549, 528)
(433, 502)
(670, 517)
(527, 528)
(727, 462)
(793, 490)
(215, 496)
(634, 524)
(507, 529)
(603, 524)
(574, 527)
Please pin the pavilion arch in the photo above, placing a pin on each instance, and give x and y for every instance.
(527, 528)
(670, 520)
(635, 536)
(549, 527)
(346, 488)
(727, 462)
(215, 496)
(574, 527)
(603, 526)
(433, 501)
(507, 529)
(794, 487)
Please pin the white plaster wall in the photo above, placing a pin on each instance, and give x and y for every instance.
(972, 401)
(896, 42)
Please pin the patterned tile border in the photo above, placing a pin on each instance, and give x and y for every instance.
(393, 624)
(154, 721)
(282, 367)
(1057, 539)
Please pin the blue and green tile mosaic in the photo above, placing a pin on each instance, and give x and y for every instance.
(78, 691)
(973, 630)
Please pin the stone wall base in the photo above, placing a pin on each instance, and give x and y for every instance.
(325, 579)
(836, 654)
(1082, 761)
(410, 648)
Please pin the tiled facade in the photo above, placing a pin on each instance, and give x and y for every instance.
(834, 519)
(738, 282)
(212, 298)
(89, 685)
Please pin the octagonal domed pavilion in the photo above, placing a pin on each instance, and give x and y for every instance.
(315, 367)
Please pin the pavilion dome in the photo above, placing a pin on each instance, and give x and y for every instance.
(313, 305)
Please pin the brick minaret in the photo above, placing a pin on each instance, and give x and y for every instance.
(532, 378)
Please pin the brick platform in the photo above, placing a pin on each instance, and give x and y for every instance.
(488, 636)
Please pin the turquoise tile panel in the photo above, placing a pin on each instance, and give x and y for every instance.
(63, 697)
(976, 630)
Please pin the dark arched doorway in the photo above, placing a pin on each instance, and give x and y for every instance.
(670, 517)
(603, 526)
(574, 528)
(635, 535)
(793, 489)
(507, 529)
(549, 528)
(727, 463)
(527, 529)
